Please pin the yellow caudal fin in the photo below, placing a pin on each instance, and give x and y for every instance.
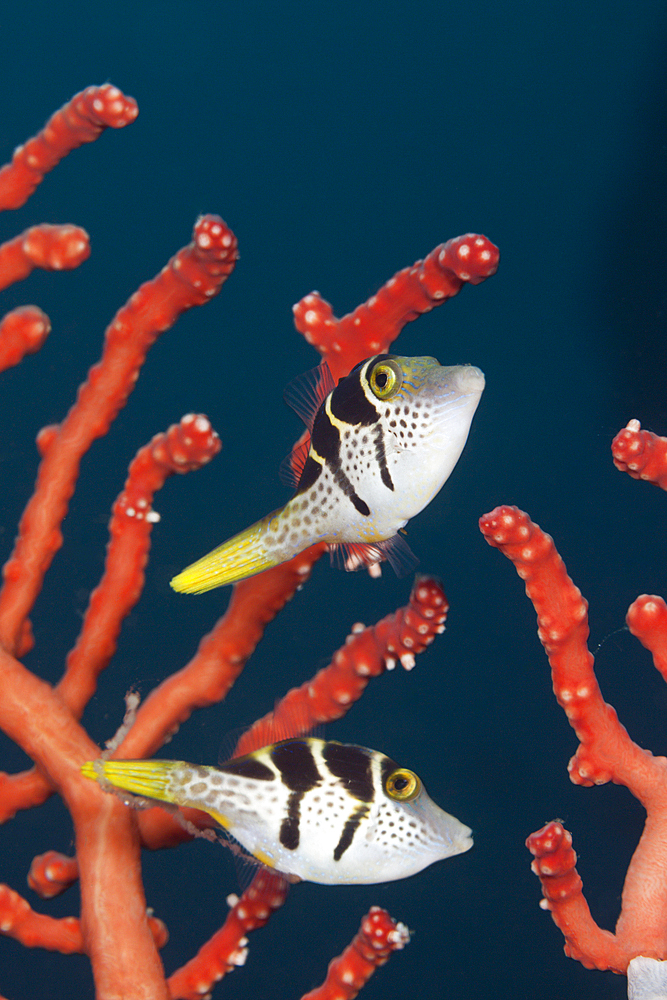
(151, 779)
(141, 777)
(234, 560)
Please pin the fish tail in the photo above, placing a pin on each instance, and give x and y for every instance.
(239, 557)
(152, 779)
(149, 778)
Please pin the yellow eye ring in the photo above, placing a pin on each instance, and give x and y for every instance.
(385, 379)
(403, 785)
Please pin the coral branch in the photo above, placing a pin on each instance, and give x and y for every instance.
(647, 620)
(606, 753)
(52, 873)
(367, 653)
(18, 920)
(183, 448)
(378, 936)
(36, 930)
(563, 631)
(227, 949)
(83, 119)
(415, 290)
(52, 248)
(562, 888)
(191, 278)
(22, 331)
(642, 454)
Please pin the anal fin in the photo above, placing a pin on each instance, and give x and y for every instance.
(352, 556)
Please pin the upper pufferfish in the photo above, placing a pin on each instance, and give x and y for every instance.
(382, 444)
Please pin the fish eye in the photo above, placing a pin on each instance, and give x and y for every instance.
(385, 379)
(403, 785)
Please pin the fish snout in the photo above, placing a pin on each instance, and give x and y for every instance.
(455, 382)
(468, 379)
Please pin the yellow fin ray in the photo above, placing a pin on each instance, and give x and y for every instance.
(149, 778)
(241, 556)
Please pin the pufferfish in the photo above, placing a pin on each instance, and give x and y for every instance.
(382, 443)
(312, 809)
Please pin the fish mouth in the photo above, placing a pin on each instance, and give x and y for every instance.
(445, 835)
(464, 841)
(457, 839)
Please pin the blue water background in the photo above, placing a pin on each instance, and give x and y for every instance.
(342, 141)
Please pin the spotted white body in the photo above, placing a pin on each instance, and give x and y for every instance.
(383, 442)
(312, 809)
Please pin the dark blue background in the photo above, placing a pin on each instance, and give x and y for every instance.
(342, 141)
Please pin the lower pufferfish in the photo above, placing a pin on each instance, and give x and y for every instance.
(312, 809)
(382, 444)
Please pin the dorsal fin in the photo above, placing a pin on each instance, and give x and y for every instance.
(292, 465)
(306, 393)
(289, 720)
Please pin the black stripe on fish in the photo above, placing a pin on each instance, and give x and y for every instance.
(289, 828)
(326, 443)
(326, 438)
(353, 766)
(350, 403)
(349, 491)
(349, 830)
(382, 458)
(298, 770)
(248, 767)
(387, 767)
(311, 471)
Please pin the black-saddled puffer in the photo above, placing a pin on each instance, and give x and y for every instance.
(311, 809)
(382, 443)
